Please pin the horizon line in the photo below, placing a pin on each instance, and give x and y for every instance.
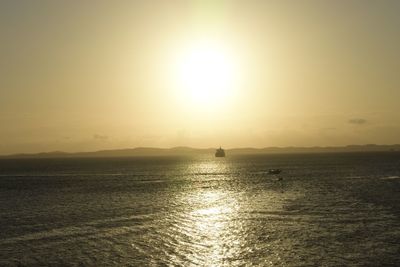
(196, 148)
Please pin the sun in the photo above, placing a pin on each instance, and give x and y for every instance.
(206, 74)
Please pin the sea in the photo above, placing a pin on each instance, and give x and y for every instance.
(332, 209)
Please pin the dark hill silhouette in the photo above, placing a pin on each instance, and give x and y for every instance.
(187, 151)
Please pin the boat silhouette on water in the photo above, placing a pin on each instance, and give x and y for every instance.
(220, 153)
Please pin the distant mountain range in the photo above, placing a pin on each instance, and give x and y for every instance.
(187, 151)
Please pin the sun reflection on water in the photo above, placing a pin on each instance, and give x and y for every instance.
(210, 167)
(220, 216)
(211, 211)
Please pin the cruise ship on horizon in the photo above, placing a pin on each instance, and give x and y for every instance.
(220, 153)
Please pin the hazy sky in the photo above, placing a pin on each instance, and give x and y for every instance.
(89, 75)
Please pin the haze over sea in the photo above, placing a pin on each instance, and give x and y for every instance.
(332, 209)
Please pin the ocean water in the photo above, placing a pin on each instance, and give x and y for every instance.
(322, 210)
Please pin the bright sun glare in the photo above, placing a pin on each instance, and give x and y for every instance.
(206, 74)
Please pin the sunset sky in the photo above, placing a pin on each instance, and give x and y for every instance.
(91, 75)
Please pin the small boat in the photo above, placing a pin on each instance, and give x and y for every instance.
(274, 171)
(220, 153)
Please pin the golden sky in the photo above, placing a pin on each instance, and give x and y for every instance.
(90, 75)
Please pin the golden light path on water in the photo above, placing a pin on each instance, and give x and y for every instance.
(213, 211)
(206, 218)
(226, 219)
(219, 214)
(212, 216)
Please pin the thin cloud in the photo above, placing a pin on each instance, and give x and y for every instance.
(357, 121)
(100, 137)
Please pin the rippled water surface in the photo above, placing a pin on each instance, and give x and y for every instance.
(322, 210)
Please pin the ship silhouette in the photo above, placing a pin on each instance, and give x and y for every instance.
(220, 153)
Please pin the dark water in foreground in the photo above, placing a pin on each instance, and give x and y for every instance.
(328, 210)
